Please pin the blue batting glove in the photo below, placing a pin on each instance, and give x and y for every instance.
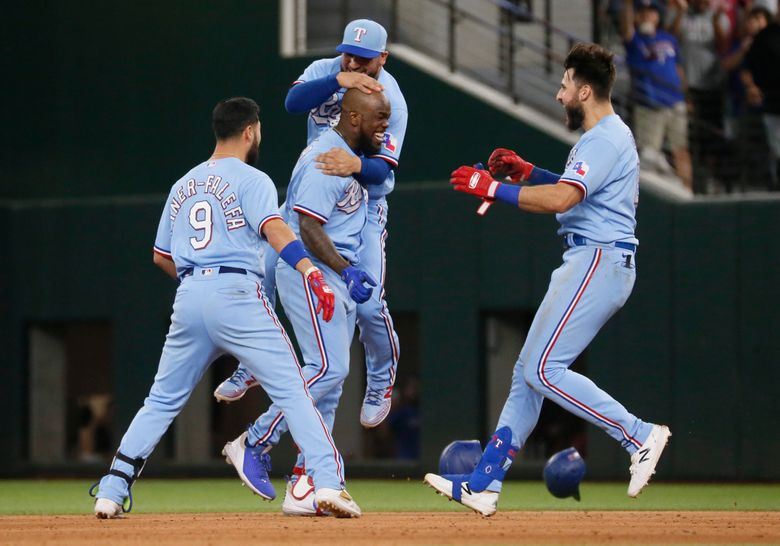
(354, 279)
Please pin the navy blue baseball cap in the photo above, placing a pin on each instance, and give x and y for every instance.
(364, 38)
(651, 4)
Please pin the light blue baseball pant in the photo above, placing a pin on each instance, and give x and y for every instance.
(215, 314)
(377, 333)
(324, 346)
(591, 285)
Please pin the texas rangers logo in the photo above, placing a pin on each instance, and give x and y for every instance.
(328, 113)
(354, 196)
(359, 33)
(581, 168)
(389, 142)
(572, 153)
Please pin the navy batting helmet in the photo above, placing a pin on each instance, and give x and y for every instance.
(460, 457)
(563, 473)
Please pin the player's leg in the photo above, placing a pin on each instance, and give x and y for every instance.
(241, 380)
(249, 329)
(185, 356)
(377, 333)
(324, 345)
(591, 285)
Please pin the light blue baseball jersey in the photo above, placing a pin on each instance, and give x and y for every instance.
(328, 113)
(604, 164)
(339, 203)
(214, 216)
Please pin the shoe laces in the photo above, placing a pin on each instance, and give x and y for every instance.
(374, 396)
(239, 377)
(264, 459)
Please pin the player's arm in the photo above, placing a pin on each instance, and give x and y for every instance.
(504, 162)
(316, 240)
(166, 264)
(548, 198)
(303, 96)
(290, 249)
(366, 170)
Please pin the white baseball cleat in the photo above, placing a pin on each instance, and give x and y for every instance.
(107, 509)
(376, 406)
(483, 503)
(299, 498)
(337, 502)
(643, 462)
(234, 387)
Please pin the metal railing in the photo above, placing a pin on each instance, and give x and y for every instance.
(503, 44)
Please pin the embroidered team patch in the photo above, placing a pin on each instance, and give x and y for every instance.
(390, 143)
(581, 168)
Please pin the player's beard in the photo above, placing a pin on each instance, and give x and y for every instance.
(575, 116)
(253, 153)
(367, 144)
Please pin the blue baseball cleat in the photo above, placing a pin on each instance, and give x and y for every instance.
(252, 466)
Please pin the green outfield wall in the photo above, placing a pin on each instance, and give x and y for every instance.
(110, 106)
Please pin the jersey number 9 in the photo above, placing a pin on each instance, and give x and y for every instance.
(200, 219)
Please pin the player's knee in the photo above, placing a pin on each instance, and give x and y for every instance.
(539, 378)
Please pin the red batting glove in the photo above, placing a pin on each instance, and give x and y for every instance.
(474, 181)
(504, 162)
(326, 300)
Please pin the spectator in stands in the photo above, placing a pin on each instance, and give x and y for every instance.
(747, 151)
(703, 32)
(652, 55)
(762, 79)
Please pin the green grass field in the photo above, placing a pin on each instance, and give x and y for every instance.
(40, 497)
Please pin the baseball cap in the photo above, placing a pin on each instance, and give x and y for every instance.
(364, 38)
(650, 4)
(769, 5)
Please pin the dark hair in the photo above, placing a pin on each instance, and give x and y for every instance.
(231, 116)
(592, 65)
(764, 12)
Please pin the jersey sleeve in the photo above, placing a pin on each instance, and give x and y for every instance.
(317, 194)
(260, 202)
(316, 70)
(590, 165)
(162, 242)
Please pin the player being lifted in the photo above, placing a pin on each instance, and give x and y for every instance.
(319, 91)
(328, 213)
(218, 221)
(595, 202)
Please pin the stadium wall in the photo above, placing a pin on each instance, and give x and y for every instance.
(114, 106)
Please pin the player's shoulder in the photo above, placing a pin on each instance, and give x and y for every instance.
(392, 90)
(323, 67)
(610, 133)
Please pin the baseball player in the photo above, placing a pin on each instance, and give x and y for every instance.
(595, 202)
(329, 214)
(218, 221)
(319, 91)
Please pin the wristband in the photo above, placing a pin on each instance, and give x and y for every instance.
(541, 176)
(508, 193)
(293, 253)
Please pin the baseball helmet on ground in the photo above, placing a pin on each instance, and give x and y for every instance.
(563, 473)
(460, 457)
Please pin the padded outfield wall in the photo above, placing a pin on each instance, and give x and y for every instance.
(114, 104)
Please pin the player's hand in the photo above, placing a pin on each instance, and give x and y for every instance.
(356, 80)
(354, 279)
(474, 181)
(326, 300)
(338, 162)
(504, 162)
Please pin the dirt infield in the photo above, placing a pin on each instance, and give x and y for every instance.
(401, 528)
